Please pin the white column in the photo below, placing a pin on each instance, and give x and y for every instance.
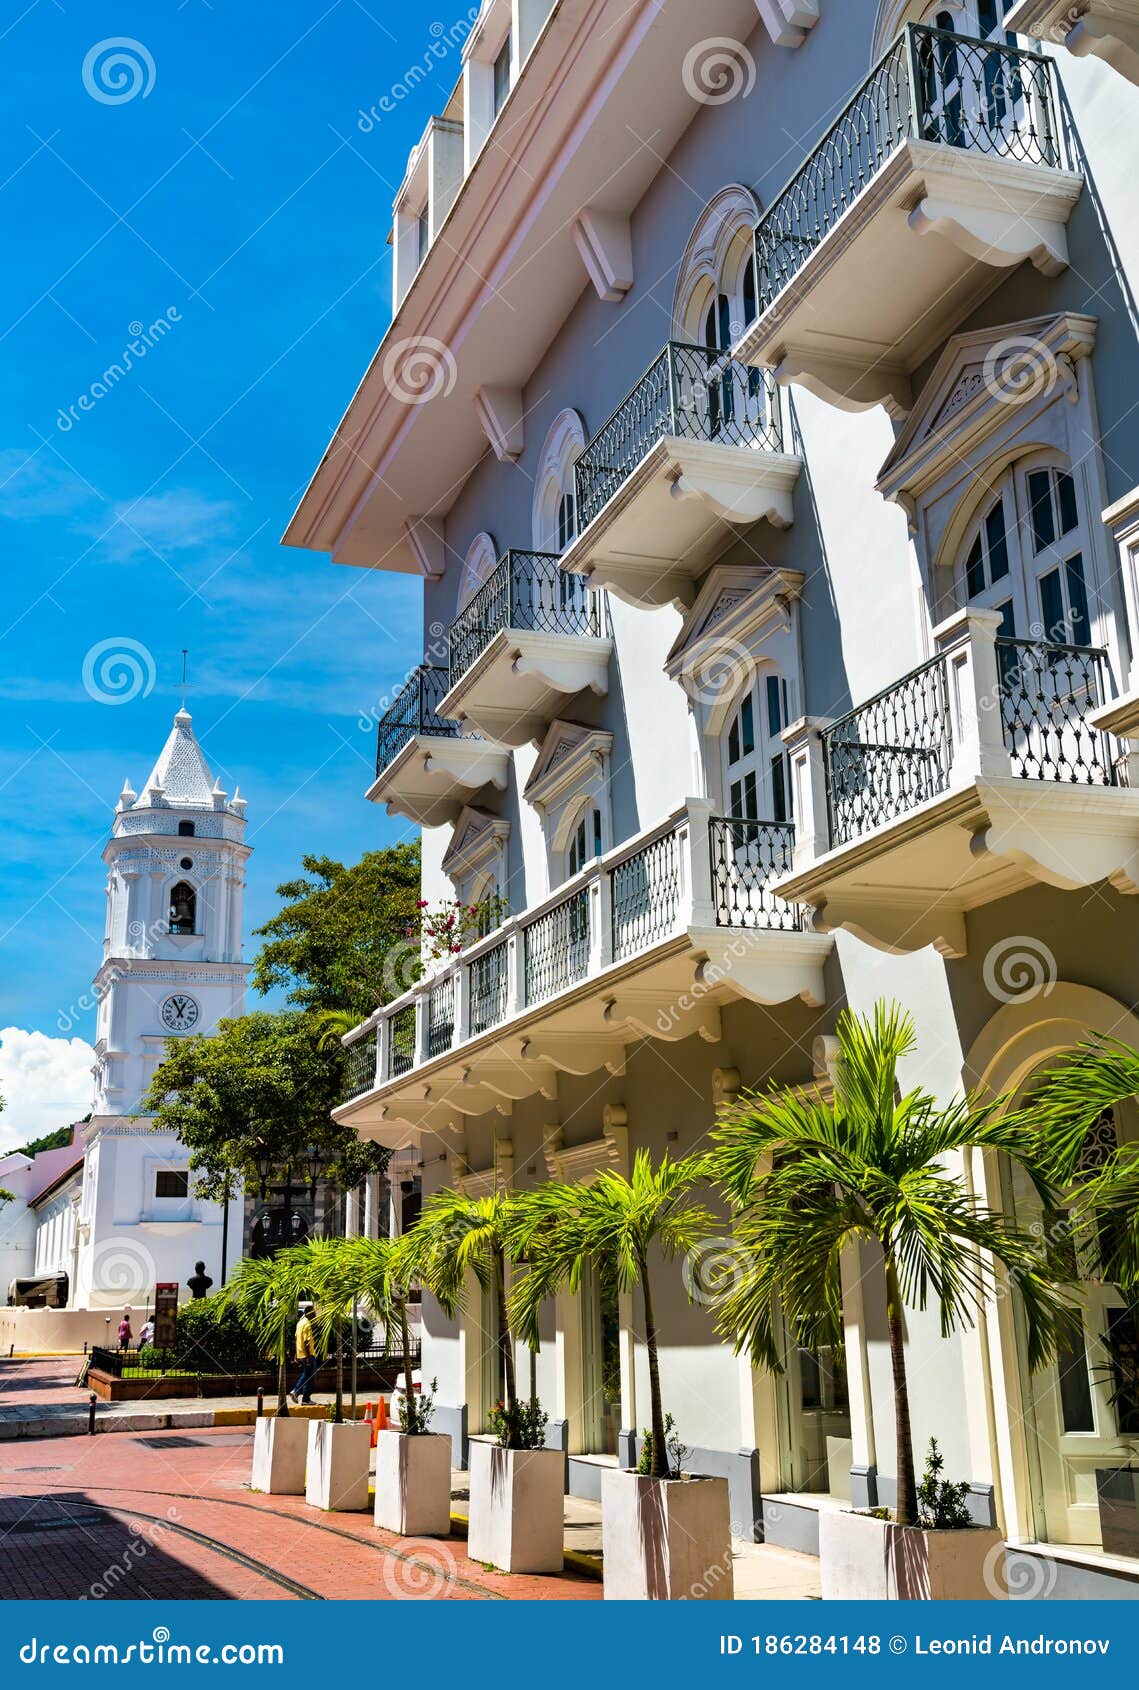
(804, 743)
(372, 1206)
(352, 1213)
(968, 641)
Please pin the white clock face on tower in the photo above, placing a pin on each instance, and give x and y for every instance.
(179, 1012)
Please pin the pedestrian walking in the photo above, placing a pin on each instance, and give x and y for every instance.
(146, 1336)
(125, 1330)
(306, 1355)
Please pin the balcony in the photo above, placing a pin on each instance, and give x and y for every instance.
(426, 769)
(949, 167)
(690, 457)
(647, 942)
(531, 637)
(978, 774)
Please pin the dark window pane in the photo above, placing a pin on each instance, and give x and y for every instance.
(774, 706)
(751, 800)
(736, 799)
(171, 1184)
(987, 16)
(779, 791)
(1123, 1347)
(975, 570)
(747, 725)
(597, 833)
(734, 741)
(1040, 501)
(1075, 1385)
(750, 308)
(1081, 629)
(1066, 498)
(998, 545)
(502, 77)
(1052, 606)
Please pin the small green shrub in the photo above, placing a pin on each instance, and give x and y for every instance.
(521, 1425)
(677, 1453)
(941, 1503)
(416, 1409)
(210, 1339)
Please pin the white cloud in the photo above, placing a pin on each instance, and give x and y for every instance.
(45, 1083)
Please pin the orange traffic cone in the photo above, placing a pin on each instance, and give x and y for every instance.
(381, 1416)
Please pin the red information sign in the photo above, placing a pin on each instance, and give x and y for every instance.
(165, 1315)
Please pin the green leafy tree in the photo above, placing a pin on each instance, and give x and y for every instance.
(259, 1091)
(342, 942)
(1102, 1199)
(266, 1294)
(810, 1176)
(379, 1274)
(618, 1224)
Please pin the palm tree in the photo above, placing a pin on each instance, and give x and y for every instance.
(457, 1235)
(264, 1292)
(317, 1267)
(381, 1272)
(809, 1176)
(616, 1223)
(1071, 1099)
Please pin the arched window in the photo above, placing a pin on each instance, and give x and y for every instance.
(1027, 554)
(185, 830)
(555, 501)
(486, 894)
(480, 563)
(755, 769)
(585, 841)
(183, 908)
(715, 294)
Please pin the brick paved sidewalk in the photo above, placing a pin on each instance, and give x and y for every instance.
(164, 1515)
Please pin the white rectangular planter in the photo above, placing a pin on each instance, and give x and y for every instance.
(868, 1560)
(666, 1540)
(279, 1450)
(338, 1458)
(413, 1483)
(517, 1508)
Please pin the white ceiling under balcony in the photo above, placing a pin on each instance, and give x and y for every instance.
(601, 101)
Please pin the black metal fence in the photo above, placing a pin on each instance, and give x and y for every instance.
(529, 591)
(556, 948)
(360, 1067)
(401, 1041)
(746, 857)
(889, 755)
(441, 1016)
(645, 891)
(1047, 693)
(414, 710)
(931, 85)
(690, 393)
(489, 976)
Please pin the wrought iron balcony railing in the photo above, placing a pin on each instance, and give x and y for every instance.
(529, 591)
(930, 85)
(746, 857)
(890, 754)
(1047, 694)
(414, 710)
(620, 906)
(688, 393)
(360, 1069)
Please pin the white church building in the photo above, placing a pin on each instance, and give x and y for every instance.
(127, 1218)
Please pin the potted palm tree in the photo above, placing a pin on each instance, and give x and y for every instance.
(264, 1294)
(413, 1464)
(1100, 1183)
(517, 1485)
(665, 1535)
(810, 1175)
(339, 1451)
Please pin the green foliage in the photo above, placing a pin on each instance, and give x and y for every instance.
(211, 1337)
(676, 1453)
(615, 1223)
(519, 1425)
(54, 1140)
(416, 1408)
(941, 1503)
(260, 1088)
(331, 946)
(811, 1175)
(265, 1294)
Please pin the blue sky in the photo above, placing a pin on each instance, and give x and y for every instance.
(235, 198)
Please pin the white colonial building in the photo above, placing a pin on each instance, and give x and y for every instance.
(763, 430)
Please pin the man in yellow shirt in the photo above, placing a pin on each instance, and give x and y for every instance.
(306, 1355)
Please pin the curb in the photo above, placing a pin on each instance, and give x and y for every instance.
(192, 1419)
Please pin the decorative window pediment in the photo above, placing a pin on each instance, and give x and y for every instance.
(744, 615)
(570, 776)
(477, 851)
(987, 385)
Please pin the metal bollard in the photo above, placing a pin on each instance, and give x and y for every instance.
(260, 1401)
(91, 1401)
